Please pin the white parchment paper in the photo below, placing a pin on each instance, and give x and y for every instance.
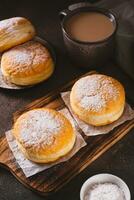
(4, 83)
(90, 130)
(30, 168)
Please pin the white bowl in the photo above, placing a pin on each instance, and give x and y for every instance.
(102, 178)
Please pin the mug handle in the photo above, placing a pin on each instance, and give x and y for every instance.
(63, 14)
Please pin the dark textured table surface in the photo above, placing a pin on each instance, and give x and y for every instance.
(119, 160)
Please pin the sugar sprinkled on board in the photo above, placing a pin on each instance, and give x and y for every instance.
(41, 126)
(90, 92)
(105, 191)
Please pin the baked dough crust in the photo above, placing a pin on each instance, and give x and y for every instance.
(97, 99)
(44, 135)
(27, 64)
(15, 31)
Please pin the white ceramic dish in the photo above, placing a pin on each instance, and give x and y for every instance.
(104, 178)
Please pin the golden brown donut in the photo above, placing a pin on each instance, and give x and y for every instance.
(44, 135)
(15, 31)
(27, 64)
(98, 99)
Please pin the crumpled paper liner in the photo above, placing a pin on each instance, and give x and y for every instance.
(8, 85)
(30, 168)
(90, 130)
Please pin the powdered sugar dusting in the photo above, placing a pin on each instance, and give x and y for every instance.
(26, 58)
(93, 93)
(21, 56)
(40, 127)
(105, 191)
(9, 23)
(96, 102)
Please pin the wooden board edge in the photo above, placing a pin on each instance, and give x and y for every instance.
(98, 153)
(123, 130)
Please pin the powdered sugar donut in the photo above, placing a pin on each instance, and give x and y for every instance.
(15, 31)
(27, 64)
(44, 135)
(98, 99)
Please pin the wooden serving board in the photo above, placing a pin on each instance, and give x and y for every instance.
(51, 180)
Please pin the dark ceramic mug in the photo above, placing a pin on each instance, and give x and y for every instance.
(88, 54)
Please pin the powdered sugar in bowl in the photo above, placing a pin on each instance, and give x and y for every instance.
(106, 187)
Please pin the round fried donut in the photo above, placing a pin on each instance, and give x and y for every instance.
(27, 64)
(98, 99)
(44, 135)
(15, 31)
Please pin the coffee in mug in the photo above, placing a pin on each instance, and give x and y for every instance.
(89, 26)
(89, 35)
